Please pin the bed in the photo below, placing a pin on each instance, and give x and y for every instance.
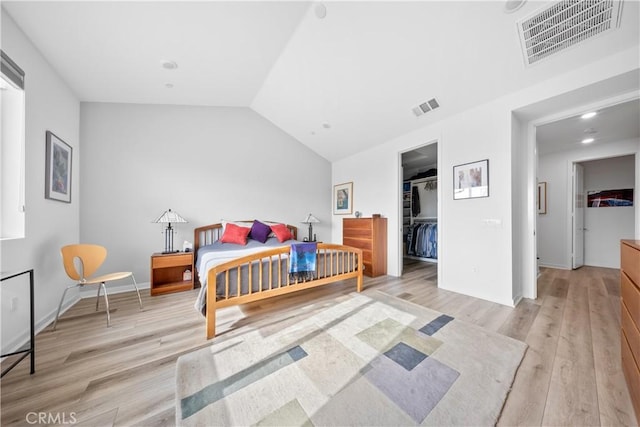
(231, 274)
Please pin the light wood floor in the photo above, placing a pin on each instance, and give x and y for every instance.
(125, 375)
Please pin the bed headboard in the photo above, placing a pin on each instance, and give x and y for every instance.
(208, 234)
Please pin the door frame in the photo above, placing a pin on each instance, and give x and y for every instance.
(530, 279)
(572, 214)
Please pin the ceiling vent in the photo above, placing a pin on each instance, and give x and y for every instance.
(564, 24)
(425, 107)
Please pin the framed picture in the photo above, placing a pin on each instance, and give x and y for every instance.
(610, 198)
(343, 198)
(471, 180)
(542, 198)
(58, 169)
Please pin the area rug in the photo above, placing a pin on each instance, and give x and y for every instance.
(367, 360)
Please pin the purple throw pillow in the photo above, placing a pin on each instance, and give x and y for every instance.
(259, 231)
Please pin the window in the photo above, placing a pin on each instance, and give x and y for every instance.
(12, 158)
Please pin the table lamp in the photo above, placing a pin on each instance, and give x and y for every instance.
(169, 217)
(310, 219)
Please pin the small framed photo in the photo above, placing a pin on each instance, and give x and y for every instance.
(542, 198)
(58, 169)
(471, 180)
(343, 198)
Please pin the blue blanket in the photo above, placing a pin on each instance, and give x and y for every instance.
(302, 261)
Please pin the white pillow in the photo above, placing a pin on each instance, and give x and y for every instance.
(246, 224)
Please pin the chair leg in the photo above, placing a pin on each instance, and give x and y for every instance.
(55, 322)
(98, 297)
(106, 302)
(137, 290)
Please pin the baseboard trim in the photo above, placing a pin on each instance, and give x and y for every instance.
(87, 292)
(559, 267)
(40, 325)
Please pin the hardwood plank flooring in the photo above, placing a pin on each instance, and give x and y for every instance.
(125, 375)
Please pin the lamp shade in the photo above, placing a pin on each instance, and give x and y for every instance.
(169, 217)
(310, 219)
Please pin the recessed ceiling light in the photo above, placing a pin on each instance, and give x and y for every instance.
(511, 6)
(169, 65)
(168, 85)
(588, 115)
(320, 10)
(588, 140)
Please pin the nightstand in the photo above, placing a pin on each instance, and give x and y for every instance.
(167, 272)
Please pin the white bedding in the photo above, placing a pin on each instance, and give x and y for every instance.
(218, 253)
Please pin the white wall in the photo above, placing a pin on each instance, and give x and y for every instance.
(520, 210)
(553, 231)
(206, 163)
(50, 105)
(466, 263)
(475, 248)
(606, 226)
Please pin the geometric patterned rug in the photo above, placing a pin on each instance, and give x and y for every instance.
(366, 360)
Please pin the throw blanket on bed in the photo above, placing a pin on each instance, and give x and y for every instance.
(302, 261)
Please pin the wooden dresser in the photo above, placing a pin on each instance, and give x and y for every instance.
(370, 235)
(630, 318)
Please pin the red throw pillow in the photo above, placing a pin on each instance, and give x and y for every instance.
(235, 234)
(282, 232)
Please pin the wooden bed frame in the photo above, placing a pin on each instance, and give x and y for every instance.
(332, 253)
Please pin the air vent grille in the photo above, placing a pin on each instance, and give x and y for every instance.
(425, 107)
(565, 24)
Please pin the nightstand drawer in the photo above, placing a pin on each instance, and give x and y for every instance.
(173, 260)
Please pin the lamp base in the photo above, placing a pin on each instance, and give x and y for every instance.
(169, 252)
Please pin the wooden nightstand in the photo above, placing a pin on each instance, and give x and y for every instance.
(167, 272)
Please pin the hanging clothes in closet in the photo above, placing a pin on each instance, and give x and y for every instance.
(422, 240)
(415, 201)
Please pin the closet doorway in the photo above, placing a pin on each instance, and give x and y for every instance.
(419, 206)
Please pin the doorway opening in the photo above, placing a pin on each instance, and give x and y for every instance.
(590, 172)
(605, 210)
(419, 204)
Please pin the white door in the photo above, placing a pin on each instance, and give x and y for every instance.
(578, 216)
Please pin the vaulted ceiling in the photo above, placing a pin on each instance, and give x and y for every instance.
(338, 76)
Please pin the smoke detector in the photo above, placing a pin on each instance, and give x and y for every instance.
(169, 65)
(564, 24)
(425, 107)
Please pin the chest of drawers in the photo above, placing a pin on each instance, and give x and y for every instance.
(370, 235)
(630, 318)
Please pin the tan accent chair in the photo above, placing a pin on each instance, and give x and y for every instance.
(91, 258)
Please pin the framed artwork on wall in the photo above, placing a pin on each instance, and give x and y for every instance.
(610, 198)
(58, 169)
(542, 198)
(343, 198)
(471, 180)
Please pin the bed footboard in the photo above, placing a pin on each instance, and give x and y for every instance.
(233, 282)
